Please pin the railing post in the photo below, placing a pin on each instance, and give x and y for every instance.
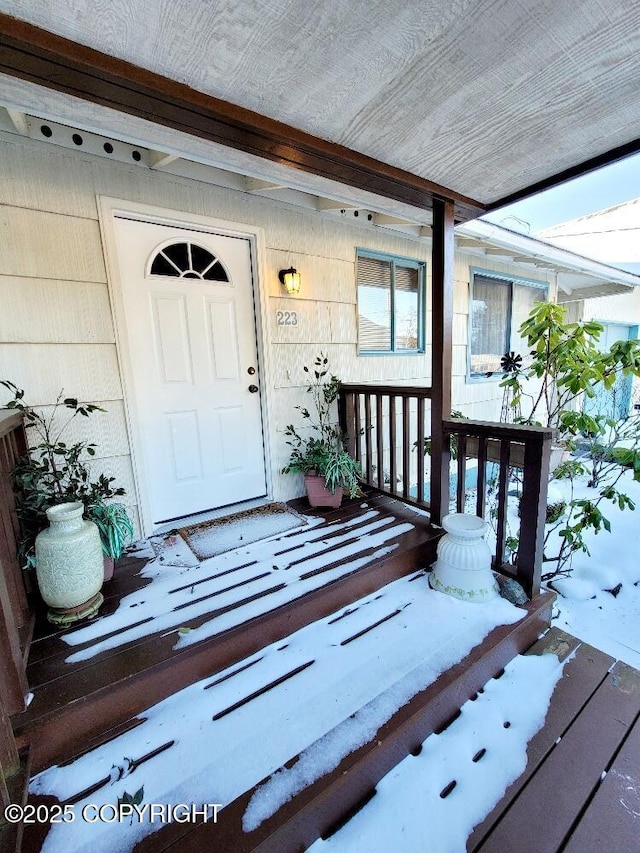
(14, 610)
(533, 506)
(441, 336)
(12, 446)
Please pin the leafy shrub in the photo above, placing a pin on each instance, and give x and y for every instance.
(569, 365)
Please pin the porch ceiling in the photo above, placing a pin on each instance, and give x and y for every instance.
(489, 98)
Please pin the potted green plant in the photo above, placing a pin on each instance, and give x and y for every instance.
(116, 531)
(53, 473)
(321, 456)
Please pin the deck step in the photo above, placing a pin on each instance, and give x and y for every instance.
(572, 783)
(307, 694)
(184, 623)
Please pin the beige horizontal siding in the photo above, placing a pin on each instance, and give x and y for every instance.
(107, 429)
(39, 245)
(89, 372)
(43, 310)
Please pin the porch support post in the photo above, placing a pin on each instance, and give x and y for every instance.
(441, 337)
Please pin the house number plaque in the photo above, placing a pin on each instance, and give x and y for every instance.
(286, 318)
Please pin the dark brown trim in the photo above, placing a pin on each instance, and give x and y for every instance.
(442, 348)
(40, 57)
(606, 159)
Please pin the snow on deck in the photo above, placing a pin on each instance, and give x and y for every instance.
(239, 585)
(433, 800)
(321, 692)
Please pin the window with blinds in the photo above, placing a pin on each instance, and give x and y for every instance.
(498, 308)
(390, 304)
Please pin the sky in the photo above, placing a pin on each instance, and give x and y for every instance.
(596, 191)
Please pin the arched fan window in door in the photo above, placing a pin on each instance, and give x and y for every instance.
(188, 260)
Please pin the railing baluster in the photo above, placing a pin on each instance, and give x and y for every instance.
(406, 476)
(503, 482)
(393, 469)
(481, 497)
(380, 440)
(358, 427)
(420, 445)
(367, 435)
(461, 492)
(349, 424)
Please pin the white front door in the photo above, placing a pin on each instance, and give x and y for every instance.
(190, 329)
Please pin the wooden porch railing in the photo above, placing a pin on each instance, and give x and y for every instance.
(388, 431)
(16, 621)
(15, 614)
(384, 425)
(517, 453)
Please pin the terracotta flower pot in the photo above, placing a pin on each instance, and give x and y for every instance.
(108, 564)
(319, 494)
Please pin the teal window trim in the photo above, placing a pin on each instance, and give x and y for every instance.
(632, 327)
(507, 279)
(398, 261)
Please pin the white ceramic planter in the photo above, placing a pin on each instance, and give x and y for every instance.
(69, 564)
(463, 567)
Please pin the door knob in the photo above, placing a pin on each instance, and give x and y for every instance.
(253, 389)
(251, 371)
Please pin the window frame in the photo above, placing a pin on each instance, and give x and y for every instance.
(503, 278)
(401, 261)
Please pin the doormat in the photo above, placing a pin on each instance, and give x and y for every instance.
(244, 528)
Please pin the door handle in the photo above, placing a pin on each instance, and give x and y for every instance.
(253, 389)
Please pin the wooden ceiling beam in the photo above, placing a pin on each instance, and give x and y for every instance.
(49, 60)
(332, 204)
(257, 186)
(19, 121)
(158, 159)
(501, 252)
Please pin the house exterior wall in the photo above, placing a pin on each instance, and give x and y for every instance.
(56, 324)
(619, 308)
(480, 399)
(622, 308)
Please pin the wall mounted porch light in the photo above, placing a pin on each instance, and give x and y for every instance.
(290, 279)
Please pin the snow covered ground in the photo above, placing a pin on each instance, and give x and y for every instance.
(600, 601)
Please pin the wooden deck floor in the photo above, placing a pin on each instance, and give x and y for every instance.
(580, 792)
(239, 602)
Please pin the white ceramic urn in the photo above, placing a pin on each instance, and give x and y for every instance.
(69, 564)
(463, 567)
